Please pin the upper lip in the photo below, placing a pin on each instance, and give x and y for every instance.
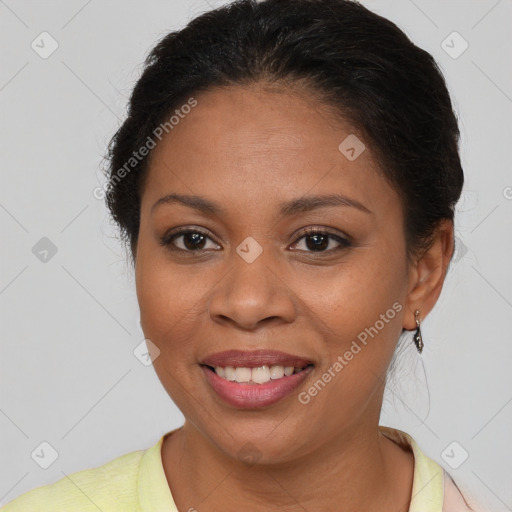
(254, 358)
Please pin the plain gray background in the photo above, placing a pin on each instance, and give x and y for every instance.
(68, 373)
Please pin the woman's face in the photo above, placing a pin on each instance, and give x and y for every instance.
(247, 278)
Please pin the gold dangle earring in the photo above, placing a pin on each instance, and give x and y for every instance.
(418, 340)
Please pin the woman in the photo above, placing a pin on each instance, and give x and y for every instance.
(286, 181)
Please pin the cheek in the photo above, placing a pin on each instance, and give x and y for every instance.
(171, 302)
(160, 293)
(363, 301)
(166, 302)
(155, 294)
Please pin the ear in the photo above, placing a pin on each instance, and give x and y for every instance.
(427, 274)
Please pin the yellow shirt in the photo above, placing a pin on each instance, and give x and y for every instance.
(136, 482)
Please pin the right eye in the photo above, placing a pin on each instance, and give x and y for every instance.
(192, 240)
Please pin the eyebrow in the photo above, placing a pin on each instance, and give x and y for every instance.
(287, 209)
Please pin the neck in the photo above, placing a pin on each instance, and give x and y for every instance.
(359, 469)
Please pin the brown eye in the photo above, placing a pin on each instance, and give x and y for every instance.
(319, 241)
(193, 240)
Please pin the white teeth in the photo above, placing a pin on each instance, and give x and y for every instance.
(229, 373)
(243, 374)
(276, 372)
(259, 375)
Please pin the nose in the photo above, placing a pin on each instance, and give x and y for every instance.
(253, 294)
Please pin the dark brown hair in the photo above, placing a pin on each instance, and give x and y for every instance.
(361, 64)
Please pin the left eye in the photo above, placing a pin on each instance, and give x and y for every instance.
(320, 240)
(196, 240)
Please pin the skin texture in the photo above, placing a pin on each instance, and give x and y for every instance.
(250, 149)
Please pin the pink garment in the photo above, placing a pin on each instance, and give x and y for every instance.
(453, 499)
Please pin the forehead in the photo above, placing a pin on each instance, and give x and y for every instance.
(254, 146)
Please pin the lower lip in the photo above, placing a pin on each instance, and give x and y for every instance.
(252, 396)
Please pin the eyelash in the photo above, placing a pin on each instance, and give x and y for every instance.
(168, 238)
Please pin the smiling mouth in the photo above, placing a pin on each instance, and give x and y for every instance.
(257, 375)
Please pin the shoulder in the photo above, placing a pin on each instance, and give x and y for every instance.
(112, 486)
(433, 487)
(454, 501)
